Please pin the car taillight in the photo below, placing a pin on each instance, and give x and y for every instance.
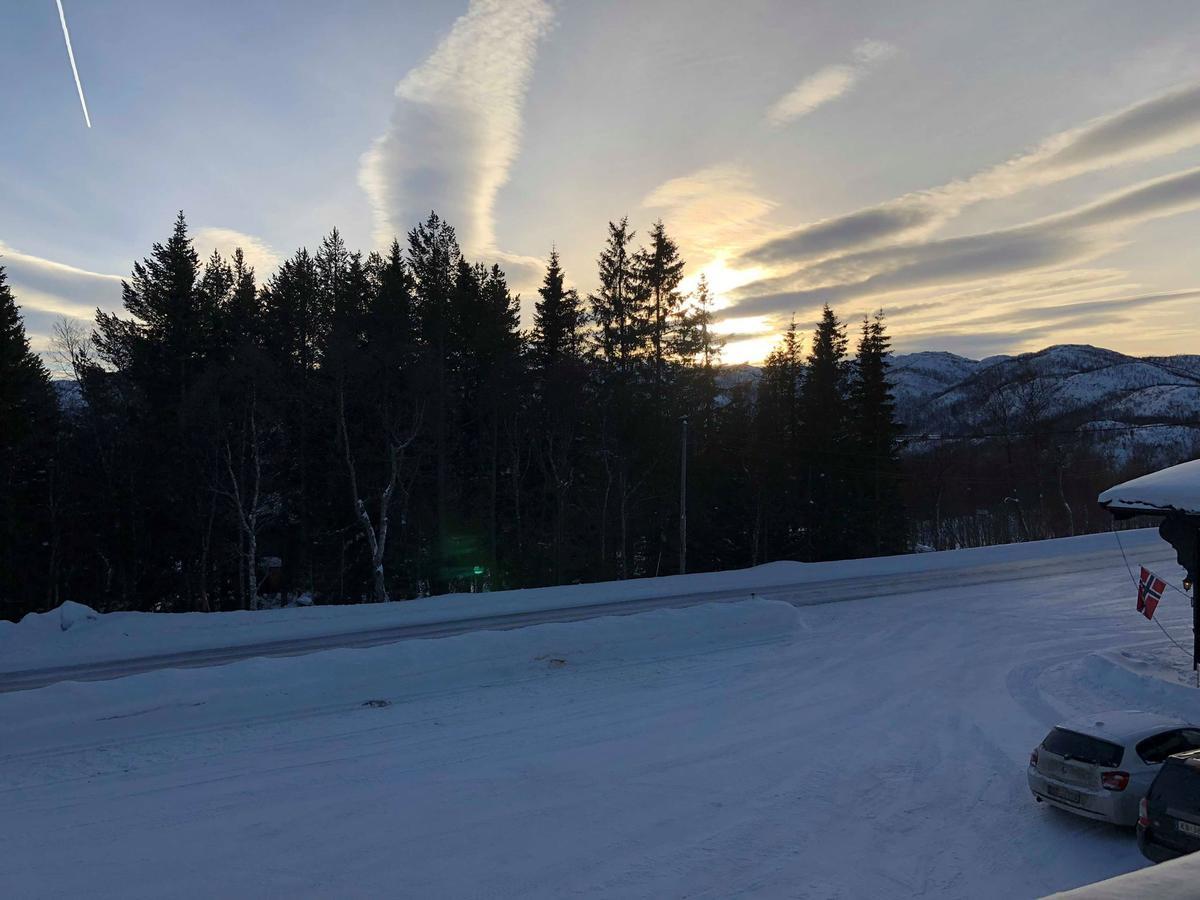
(1114, 781)
(1144, 813)
(1033, 757)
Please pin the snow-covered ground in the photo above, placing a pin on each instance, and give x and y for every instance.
(74, 635)
(873, 747)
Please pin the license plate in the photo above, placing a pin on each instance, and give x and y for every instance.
(1188, 828)
(1059, 793)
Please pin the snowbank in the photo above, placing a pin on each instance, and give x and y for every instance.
(1157, 678)
(269, 689)
(40, 641)
(1174, 880)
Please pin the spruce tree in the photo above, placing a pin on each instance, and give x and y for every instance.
(881, 528)
(697, 348)
(660, 270)
(433, 258)
(290, 313)
(393, 319)
(162, 346)
(27, 422)
(825, 413)
(619, 307)
(556, 319)
(559, 381)
(213, 293)
(776, 458)
(25, 389)
(241, 315)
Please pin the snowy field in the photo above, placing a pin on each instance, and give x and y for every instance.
(872, 747)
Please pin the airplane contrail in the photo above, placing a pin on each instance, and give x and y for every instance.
(62, 17)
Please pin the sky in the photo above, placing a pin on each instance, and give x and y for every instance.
(995, 176)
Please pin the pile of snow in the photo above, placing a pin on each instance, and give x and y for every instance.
(44, 625)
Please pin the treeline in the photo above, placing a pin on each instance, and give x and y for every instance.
(1025, 471)
(369, 427)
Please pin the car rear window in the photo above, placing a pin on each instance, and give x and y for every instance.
(1081, 747)
(1178, 783)
(1157, 748)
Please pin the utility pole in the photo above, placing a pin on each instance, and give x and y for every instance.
(683, 499)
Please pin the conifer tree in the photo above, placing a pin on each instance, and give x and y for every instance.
(619, 307)
(291, 314)
(660, 270)
(434, 257)
(781, 512)
(825, 415)
(28, 409)
(393, 321)
(876, 435)
(559, 381)
(697, 347)
(162, 346)
(556, 319)
(241, 316)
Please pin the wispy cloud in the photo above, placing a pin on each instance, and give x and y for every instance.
(829, 83)
(715, 209)
(1147, 130)
(1065, 239)
(456, 125)
(258, 254)
(46, 290)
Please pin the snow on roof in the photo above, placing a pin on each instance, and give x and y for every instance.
(1122, 723)
(1176, 489)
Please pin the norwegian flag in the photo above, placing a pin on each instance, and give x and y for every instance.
(1150, 591)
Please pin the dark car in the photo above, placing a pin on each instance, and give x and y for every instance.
(1169, 818)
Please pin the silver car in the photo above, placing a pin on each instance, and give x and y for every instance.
(1101, 766)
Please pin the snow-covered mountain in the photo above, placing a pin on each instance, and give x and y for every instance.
(1074, 384)
(1066, 387)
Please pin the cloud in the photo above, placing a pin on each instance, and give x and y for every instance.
(818, 89)
(714, 210)
(47, 290)
(1048, 243)
(456, 125)
(1155, 127)
(56, 288)
(1107, 308)
(864, 228)
(263, 258)
(828, 84)
(1146, 130)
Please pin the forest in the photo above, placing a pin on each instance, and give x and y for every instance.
(359, 427)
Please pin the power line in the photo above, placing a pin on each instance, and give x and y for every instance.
(1129, 569)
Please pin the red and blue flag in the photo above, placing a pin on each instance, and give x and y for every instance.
(1150, 591)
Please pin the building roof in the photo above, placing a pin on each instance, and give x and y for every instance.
(1176, 489)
